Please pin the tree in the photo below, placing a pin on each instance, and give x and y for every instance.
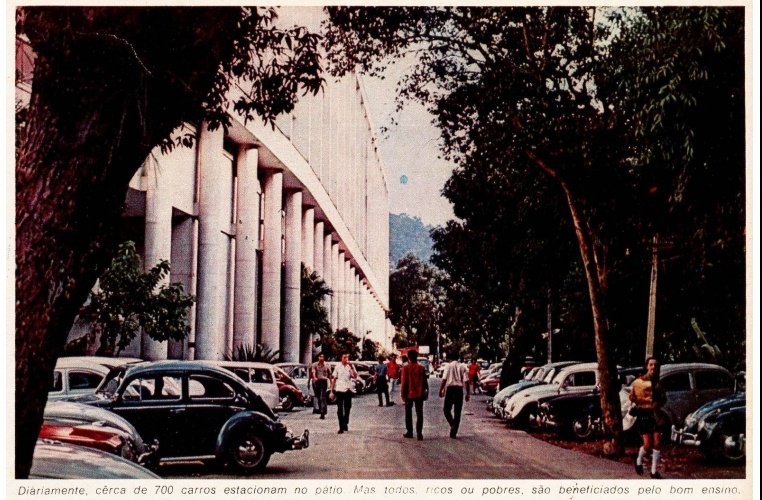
(339, 342)
(128, 301)
(110, 85)
(313, 315)
(554, 97)
(415, 295)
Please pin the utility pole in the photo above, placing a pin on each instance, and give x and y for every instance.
(550, 334)
(650, 333)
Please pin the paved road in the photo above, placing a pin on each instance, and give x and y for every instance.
(375, 449)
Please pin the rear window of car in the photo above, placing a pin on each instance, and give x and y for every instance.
(708, 380)
(261, 376)
(57, 382)
(206, 387)
(582, 379)
(83, 380)
(153, 388)
(676, 382)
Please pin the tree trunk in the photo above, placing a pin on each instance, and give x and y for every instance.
(95, 114)
(596, 275)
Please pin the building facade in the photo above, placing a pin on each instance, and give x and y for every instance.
(239, 212)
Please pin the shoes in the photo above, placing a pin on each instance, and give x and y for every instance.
(638, 468)
(341, 431)
(379, 404)
(407, 435)
(453, 432)
(322, 417)
(315, 411)
(656, 475)
(420, 437)
(390, 403)
(453, 435)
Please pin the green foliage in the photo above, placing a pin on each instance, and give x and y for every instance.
(371, 349)
(341, 341)
(408, 235)
(313, 314)
(260, 353)
(129, 300)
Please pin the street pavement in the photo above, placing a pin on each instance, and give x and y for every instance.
(375, 449)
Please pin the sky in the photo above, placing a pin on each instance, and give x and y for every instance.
(409, 150)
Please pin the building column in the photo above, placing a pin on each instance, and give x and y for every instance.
(336, 285)
(318, 253)
(184, 257)
(346, 306)
(328, 275)
(158, 240)
(271, 260)
(213, 246)
(247, 244)
(308, 238)
(290, 341)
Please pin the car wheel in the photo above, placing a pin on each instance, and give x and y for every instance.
(534, 422)
(247, 453)
(582, 427)
(287, 403)
(732, 447)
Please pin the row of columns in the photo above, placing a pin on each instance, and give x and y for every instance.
(227, 255)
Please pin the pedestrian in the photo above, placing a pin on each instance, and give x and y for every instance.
(393, 371)
(320, 376)
(454, 380)
(414, 390)
(380, 379)
(342, 385)
(473, 375)
(648, 397)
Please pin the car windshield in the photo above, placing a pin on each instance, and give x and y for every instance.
(111, 382)
(558, 378)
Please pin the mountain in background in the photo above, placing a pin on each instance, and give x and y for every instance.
(408, 235)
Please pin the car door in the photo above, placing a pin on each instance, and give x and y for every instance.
(212, 400)
(680, 401)
(153, 403)
(711, 384)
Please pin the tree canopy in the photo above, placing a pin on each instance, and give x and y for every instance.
(578, 134)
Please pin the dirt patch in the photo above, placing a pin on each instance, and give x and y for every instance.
(677, 462)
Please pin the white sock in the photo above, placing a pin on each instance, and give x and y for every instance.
(641, 454)
(655, 460)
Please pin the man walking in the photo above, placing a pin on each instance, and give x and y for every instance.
(380, 378)
(320, 375)
(414, 390)
(454, 379)
(393, 370)
(342, 383)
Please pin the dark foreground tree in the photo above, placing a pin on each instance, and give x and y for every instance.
(110, 85)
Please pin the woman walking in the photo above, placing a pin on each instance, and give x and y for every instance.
(648, 397)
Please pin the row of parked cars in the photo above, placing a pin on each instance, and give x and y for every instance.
(705, 406)
(144, 413)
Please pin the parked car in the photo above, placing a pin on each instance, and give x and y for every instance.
(259, 377)
(688, 386)
(197, 410)
(299, 373)
(522, 410)
(718, 429)
(105, 439)
(289, 394)
(75, 375)
(359, 384)
(57, 460)
(541, 375)
(577, 414)
(490, 384)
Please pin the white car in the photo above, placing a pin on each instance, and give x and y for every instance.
(259, 377)
(74, 375)
(521, 410)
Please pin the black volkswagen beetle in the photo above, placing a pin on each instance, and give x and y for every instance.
(718, 429)
(196, 411)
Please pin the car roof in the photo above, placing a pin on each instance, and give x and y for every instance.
(244, 364)
(166, 366)
(677, 367)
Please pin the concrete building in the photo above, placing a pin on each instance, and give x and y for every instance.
(239, 212)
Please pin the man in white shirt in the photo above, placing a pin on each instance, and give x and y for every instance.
(342, 383)
(454, 380)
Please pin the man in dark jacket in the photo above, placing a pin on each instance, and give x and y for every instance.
(414, 390)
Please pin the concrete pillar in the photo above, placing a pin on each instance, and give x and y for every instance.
(184, 254)
(318, 251)
(328, 275)
(271, 260)
(291, 301)
(158, 239)
(347, 296)
(308, 238)
(247, 244)
(213, 245)
(336, 285)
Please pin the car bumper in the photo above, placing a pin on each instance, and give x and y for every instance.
(298, 442)
(150, 457)
(680, 436)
